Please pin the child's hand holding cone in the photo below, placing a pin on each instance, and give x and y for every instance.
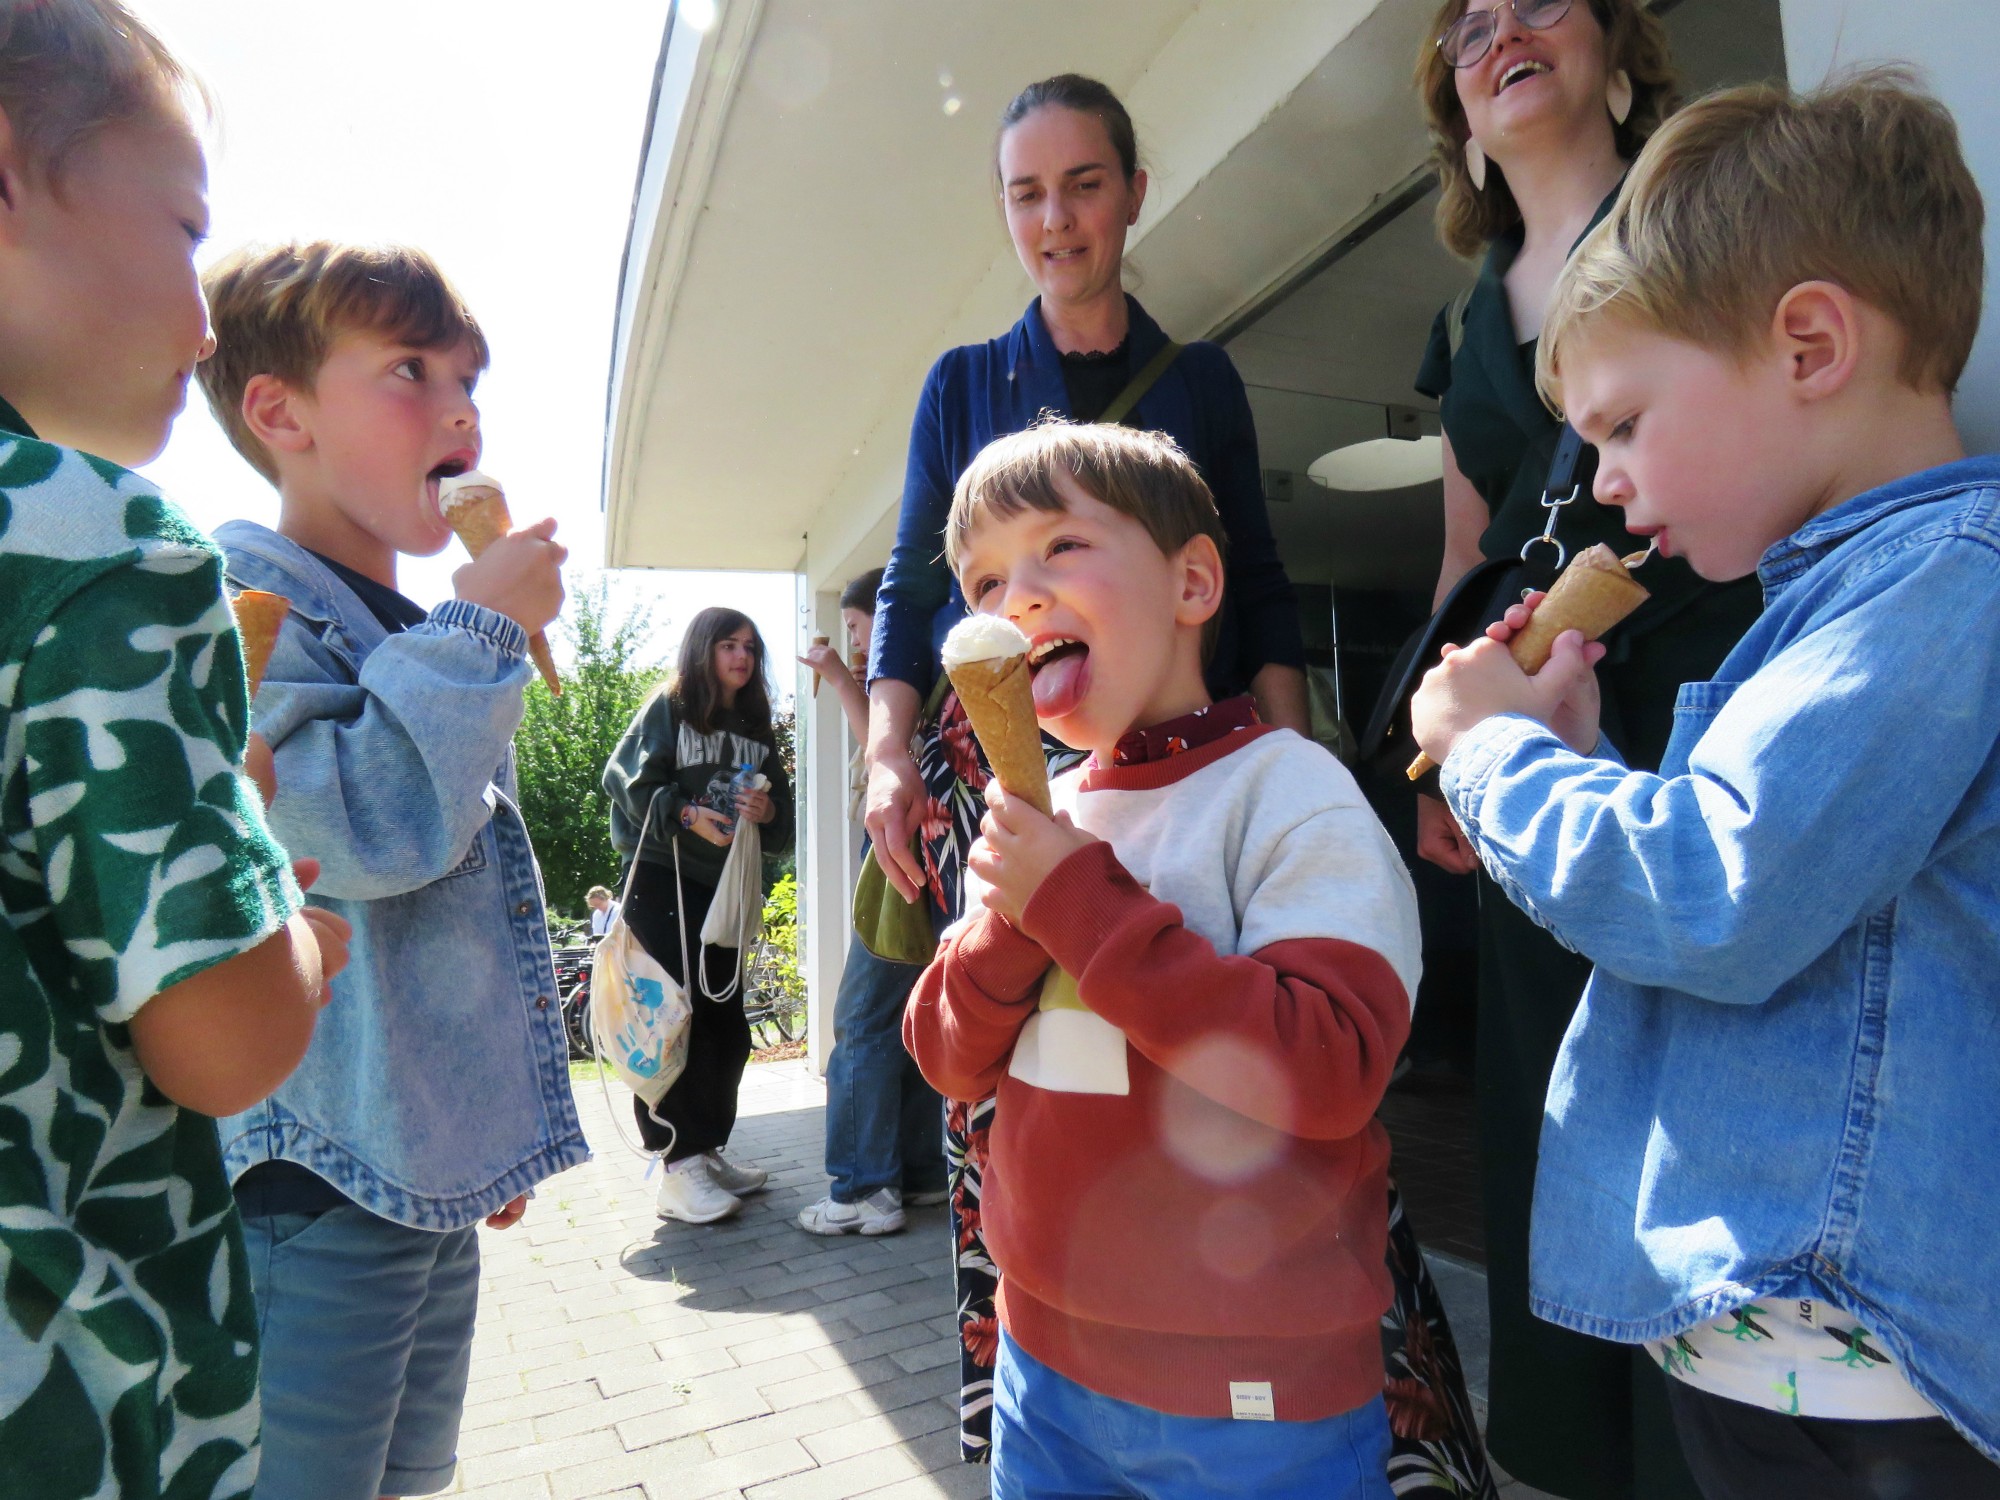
(1594, 593)
(522, 582)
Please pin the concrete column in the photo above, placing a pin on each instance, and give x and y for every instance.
(828, 842)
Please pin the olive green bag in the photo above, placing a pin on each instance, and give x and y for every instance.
(895, 930)
(889, 927)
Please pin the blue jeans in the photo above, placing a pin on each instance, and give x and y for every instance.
(884, 1124)
(367, 1329)
(1056, 1440)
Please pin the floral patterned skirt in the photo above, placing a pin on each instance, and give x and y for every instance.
(1437, 1449)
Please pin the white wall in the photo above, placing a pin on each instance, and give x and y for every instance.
(1954, 44)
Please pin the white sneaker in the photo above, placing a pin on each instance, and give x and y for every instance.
(689, 1194)
(734, 1179)
(881, 1212)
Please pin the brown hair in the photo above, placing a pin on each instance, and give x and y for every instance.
(1468, 218)
(1144, 475)
(1087, 97)
(68, 68)
(1748, 193)
(695, 693)
(276, 311)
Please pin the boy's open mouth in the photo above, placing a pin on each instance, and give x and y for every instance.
(449, 469)
(1060, 669)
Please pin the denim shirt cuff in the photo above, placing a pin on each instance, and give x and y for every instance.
(504, 635)
(1477, 756)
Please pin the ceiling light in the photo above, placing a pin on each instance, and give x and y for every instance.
(1384, 463)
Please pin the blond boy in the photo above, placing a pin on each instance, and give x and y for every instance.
(1765, 1152)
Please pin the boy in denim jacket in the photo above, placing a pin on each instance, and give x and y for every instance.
(1766, 1140)
(437, 1091)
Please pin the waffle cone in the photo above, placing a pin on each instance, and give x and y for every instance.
(1000, 703)
(1593, 594)
(258, 618)
(479, 517)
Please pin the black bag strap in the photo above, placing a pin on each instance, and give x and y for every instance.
(1558, 490)
(1122, 404)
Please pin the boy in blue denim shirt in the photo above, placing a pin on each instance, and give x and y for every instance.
(436, 1093)
(1766, 1146)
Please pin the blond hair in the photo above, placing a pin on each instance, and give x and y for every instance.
(1468, 218)
(69, 68)
(1753, 191)
(276, 311)
(1144, 475)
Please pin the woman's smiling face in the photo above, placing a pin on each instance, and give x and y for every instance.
(1068, 203)
(1532, 80)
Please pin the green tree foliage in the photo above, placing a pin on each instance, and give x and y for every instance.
(778, 981)
(564, 742)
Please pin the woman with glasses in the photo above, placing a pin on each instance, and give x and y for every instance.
(1536, 108)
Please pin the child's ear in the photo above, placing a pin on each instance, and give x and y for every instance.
(271, 410)
(1819, 335)
(13, 173)
(1200, 564)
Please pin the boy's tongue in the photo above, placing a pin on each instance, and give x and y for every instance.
(1060, 681)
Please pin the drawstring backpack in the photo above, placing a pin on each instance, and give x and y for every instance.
(639, 1017)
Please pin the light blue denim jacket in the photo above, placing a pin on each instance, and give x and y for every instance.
(437, 1084)
(1786, 1067)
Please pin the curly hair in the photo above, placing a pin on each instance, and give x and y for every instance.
(1469, 218)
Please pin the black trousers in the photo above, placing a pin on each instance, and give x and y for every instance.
(1741, 1452)
(701, 1106)
(1575, 1416)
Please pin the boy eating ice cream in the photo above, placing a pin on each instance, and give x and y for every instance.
(1189, 986)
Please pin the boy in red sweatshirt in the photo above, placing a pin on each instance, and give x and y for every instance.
(1188, 987)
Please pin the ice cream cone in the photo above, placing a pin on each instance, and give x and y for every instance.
(475, 508)
(1593, 594)
(999, 699)
(819, 640)
(258, 617)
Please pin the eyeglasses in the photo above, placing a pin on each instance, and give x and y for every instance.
(1470, 37)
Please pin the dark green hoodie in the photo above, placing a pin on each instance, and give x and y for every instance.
(661, 754)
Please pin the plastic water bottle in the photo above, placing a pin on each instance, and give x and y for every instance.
(740, 783)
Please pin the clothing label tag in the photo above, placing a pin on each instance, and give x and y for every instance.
(1251, 1401)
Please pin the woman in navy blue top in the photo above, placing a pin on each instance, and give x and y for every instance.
(1071, 187)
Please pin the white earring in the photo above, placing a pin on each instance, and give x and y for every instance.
(1475, 165)
(1618, 96)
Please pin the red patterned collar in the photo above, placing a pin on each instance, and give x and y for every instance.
(1188, 732)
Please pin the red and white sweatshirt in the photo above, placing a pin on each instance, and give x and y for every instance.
(1189, 1033)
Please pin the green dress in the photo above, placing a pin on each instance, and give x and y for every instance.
(1569, 1414)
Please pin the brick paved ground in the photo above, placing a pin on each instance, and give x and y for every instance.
(619, 1354)
(622, 1355)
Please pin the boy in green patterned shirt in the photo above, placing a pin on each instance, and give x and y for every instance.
(155, 966)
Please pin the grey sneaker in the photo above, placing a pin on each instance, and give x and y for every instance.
(881, 1212)
(731, 1178)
